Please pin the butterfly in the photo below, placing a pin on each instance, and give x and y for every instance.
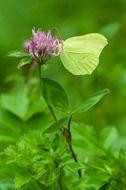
(80, 54)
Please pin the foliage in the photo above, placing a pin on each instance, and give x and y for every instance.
(36, 153)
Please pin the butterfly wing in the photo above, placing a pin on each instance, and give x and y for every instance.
(80, 54)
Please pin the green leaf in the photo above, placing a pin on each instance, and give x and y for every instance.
(6, 138)
(94, 182)
(17, 104)
(85, 140)
(21, 105)
(24, 61)
(88, 104)
(9, 122)
(6, 185)
(18, 54)
(55, 95)
(109, 136)
(20, 180)
(56, 126)
(35, 106)
(55, 186)
(39, 122)
(73, 166)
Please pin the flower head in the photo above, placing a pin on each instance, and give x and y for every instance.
(42, 45)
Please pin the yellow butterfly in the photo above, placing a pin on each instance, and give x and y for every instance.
(80, 54)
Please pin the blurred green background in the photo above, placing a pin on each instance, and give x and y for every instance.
(71, 18)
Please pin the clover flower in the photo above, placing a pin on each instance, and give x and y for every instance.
(42, 45)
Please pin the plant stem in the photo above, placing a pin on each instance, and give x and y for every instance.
(60, 181)
(52, 113)
(66, 132)
(68, 137)
(70, 145)
(40, 73)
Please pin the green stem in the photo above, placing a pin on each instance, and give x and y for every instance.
(49, 107)
(66, 132)
(40, 73)
(70, 145)
(60, 181)
(52, 113)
